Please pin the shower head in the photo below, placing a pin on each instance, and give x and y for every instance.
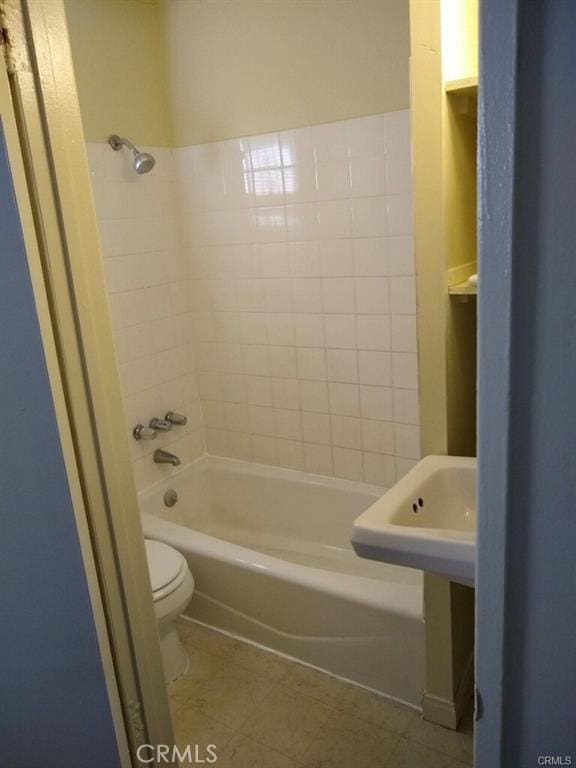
(143, 162)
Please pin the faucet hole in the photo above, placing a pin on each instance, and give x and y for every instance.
(420, 502)
(414, 507)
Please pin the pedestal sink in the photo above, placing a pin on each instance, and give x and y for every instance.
(426, 521)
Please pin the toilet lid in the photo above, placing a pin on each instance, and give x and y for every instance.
(164, 563)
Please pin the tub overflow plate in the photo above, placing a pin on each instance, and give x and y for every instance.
(170, 497)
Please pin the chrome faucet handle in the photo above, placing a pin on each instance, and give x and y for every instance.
(160, 425)
(178, 419)
(140, 432)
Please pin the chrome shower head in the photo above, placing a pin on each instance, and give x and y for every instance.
(143, 162)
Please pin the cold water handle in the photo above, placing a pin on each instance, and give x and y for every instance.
(178, 419)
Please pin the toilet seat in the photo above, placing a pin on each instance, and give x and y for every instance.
(167, 568)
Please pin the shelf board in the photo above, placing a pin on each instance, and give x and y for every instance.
(463, 289)
(468, 86)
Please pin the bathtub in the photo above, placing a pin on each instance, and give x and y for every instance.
(270, 553)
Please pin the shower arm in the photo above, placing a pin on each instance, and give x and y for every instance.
(117, 142)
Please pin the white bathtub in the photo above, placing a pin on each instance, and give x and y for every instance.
(270, 554)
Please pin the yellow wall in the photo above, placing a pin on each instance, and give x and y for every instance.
(445, 329)
(246, 67)
(179, 72)
(459, 39)
(120, 69)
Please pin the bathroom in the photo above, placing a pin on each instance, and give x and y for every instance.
(259, 264)
(261, 279)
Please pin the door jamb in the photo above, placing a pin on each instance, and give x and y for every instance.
(55, 201)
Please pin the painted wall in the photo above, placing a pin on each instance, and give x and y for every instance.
(54, 708)
(445, 332)
(185, 72)
(250, 67)
(526, 614)
(120, 70)
(459, 39)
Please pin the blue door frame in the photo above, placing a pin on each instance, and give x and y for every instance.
(54, 708)
(526, 595)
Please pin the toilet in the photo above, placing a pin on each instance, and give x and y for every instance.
(172, 589)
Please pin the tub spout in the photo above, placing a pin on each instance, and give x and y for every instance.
(163, 457)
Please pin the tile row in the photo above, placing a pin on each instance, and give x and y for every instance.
(371, 257)
(393, 439)
(395, 333)
(387, 217)
(366, 401)
(299, 296)
(327, 333)
(361, 157)
(330, 219)
(308, 295)
(340, 366)
(347, 463)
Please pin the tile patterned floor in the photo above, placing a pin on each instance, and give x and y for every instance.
(263, 711)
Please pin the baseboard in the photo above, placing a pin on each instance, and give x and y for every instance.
(440, 711)
(448, 712)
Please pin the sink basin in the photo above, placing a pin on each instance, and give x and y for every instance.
(426, 521)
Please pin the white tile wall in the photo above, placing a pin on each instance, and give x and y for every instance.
(147, 276)
(301, 293)
(265, 287)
